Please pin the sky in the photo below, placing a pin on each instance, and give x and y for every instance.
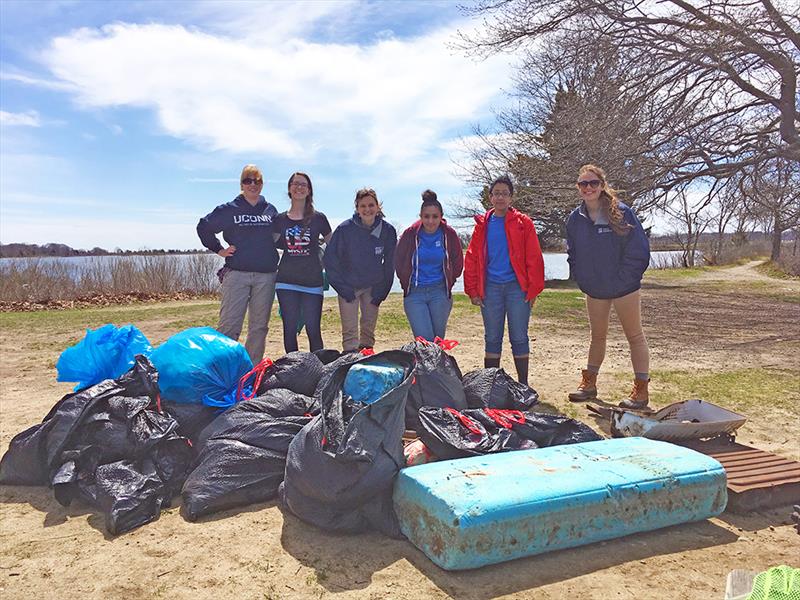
(122, 123)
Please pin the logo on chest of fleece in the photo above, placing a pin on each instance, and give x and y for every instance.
(250, 220)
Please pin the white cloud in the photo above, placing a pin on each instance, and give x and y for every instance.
(28, 118)
(389, 103)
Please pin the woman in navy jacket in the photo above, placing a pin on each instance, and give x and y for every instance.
(359, 262)
(608, 253)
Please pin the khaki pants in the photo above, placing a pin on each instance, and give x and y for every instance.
(351, 338)
(253, 293)
(629, 311)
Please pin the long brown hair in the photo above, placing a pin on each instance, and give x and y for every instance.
(308, 210)
(609, 201)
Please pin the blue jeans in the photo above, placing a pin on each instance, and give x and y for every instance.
(428, 308)
(506, 299)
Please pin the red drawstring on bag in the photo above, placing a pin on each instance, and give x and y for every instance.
(505, 417)
(366, 352)
(465, 421)
(445, 344)
(257, 371)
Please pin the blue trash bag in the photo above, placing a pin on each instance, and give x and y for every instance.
(104, 353)
(367, 382)
(200, 366)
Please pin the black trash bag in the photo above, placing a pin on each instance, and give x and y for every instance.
(341, 467)
(191, 418)
(437, 381)
(109, 446)
(326, 355)
(449, 434)
(281, 402)
(296, 371)
(454, 434)
(32, 453)
(555, 430)
(242, 454)
(494, 388)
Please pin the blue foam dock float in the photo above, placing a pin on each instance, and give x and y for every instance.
(483, 510)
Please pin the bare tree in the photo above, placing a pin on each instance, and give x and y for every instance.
(772, 192)
(724, 72)
(572, 107)
(689, 213)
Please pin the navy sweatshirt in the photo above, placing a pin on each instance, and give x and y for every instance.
(360, 257)
(604, 264)
(247, 227)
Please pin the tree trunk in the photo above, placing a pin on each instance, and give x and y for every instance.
(777, 234)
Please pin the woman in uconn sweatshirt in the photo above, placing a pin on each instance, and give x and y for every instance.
(359, 262)
(251, 260)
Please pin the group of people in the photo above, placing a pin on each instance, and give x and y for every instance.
(503, 269)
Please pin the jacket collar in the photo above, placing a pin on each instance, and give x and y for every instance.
(601, 217)
(484, 218)
(374, 230)
(242, 201)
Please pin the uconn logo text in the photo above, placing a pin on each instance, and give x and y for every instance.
(253, 219)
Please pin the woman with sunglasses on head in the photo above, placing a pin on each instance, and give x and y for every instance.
(503, 274)
(428, 260)
(251, 260)
(300, 231)
(359, 261)
(608, 253)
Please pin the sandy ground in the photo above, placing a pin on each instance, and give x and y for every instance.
(720, 321)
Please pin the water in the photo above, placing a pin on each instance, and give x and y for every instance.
(555, 264)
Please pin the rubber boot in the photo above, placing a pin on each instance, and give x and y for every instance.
(640, 396)
(491, 362)
(587, 388)
(521, 363)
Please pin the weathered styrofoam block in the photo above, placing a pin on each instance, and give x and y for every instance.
(472, 512)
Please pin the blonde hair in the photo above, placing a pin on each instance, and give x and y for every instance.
(251, 171)
(609, 200)
(369, 192)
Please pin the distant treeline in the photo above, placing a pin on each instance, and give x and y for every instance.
(52, 249)
(673, 241)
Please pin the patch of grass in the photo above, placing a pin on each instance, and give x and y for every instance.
(679, 274)
(95, 317)
(569, 305)
(770, 269)
(742, 390)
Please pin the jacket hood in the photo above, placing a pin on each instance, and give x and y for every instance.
(417, 225)
(356, 220)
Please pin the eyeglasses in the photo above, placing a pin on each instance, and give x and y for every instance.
(299, 184)
(251, 181)
(503, 194)
(591, 183)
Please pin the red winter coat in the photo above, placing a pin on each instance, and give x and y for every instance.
(407, 246)
(523, 248)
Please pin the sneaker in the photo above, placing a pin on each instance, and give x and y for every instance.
(587, 389)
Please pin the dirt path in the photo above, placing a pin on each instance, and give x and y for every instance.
(730, 327)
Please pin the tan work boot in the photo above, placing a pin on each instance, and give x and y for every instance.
(587, 389)
(639, 397)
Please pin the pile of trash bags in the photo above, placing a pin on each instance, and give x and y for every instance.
(322, 432)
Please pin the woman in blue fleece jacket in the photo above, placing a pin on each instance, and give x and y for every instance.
(608, 253)
(359, 262)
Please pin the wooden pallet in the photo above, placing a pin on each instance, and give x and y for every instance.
(756, 478)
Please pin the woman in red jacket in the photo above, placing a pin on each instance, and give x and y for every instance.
(428, 260)
(503, 274)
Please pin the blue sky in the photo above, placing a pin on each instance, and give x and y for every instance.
(124, 122)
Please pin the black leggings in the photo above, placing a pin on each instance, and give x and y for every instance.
(295, 305)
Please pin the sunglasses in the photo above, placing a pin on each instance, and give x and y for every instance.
(251, 181)
(591, 183)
